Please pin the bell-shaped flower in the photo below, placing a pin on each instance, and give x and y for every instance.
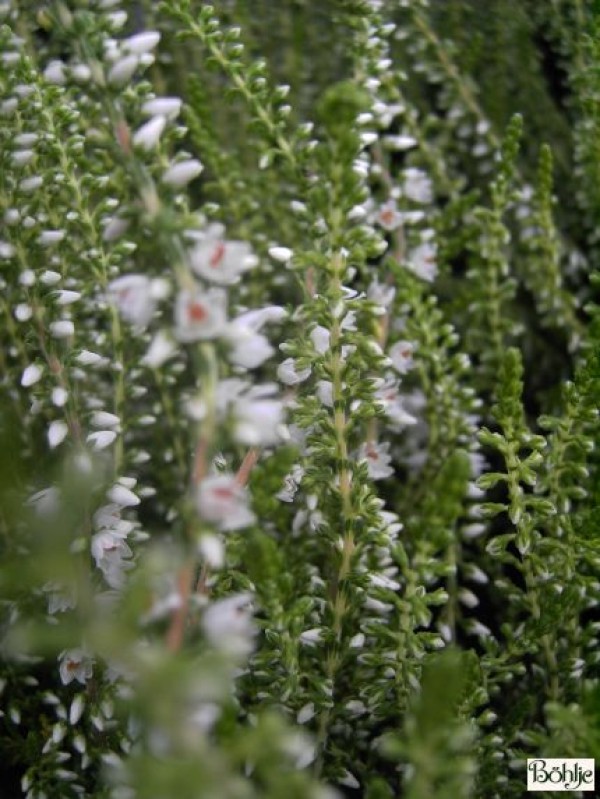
(222, 501)
(422, 261)
(134, 297)
(249, 348)
(290, 375)
(258, 422)
(417, 186)
(377, 458)
(228, 625)
(388, 217)
(75, 664)
(401, 355)
(220, 261)
(200, 315)
(387, 396)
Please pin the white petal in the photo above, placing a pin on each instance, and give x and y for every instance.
(141, 42)
(123, 496)
(148, 136)
(105, 419)
(169, 107)
(281, 254)
(31, 375)
(64, 328)
(57, 433)
(183, 172)
(122, 70)
(101, 439)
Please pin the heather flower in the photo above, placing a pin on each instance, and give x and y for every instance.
(388, 217)
(401, 355)
(222, 501)
(417, 186)
(218, 260)
(228, 626)
(133, 296)
(378, 459)
(200, 315)
(75, 664)
(423, 261)
(290, 375)
(182, 172)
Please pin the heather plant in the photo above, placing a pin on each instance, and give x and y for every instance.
(300, 367)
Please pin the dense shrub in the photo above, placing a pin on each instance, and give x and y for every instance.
(300, 366)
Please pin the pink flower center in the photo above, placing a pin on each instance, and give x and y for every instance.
(223, 493)
(387, 216)
(196, 312)
(72, 665)
(217, 256)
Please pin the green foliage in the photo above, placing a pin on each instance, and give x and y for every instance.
(300, 363)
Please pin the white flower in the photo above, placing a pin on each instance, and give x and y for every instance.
(288, 374)
(311, 637)
(417, 186)
(378, 459)
(291, 484)
(141, 42)
(76, 709)
(220, 261)
(59, 396)
(324, 391)
(169, 107)
(212, 551)
(258, 422)
(75, 664)
(305, 713)
(31, 375)
(22, 157)
(148, 136)
(161, 348)
(399, 142)
(67, 297)
(249, 348)
(388, 217)
(49, 237)
(132, 294)
(381, 294)
(59, 599)
(422, 261)
(281, 254)
(6, 250)
(23, 312)
(388, 397)
(221, 500)
(50, 278)
(200, 315)
(114, 227)
(63, 328)
(88, 358)
(320, 338)
(101, 439)
(228, 625)
(111, 553)
(121, 495)
(401, 355)
(55, 72)
(122, 70)
(105, 419)
(181, 173)
(45, 502)
(29, 185)
(57, 432)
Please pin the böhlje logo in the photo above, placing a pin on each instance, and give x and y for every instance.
(560, 774)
